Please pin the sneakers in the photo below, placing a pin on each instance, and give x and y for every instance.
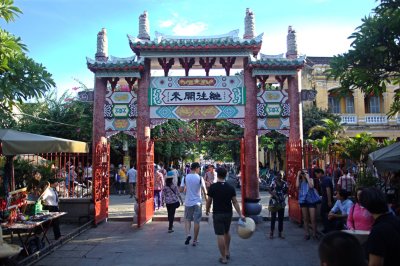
(170, 230)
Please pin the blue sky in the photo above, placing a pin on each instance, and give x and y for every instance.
(61, 33)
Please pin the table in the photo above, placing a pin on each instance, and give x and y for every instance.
(38, 223)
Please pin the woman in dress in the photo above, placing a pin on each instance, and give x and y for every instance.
(171, 198)
(359, 218)
(278, 190)
(308, 210)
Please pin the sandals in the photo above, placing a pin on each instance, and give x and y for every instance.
(222, 261)
(195, 243)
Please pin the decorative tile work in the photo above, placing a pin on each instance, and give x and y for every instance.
(285, 109)
(197, 112)
(239, 122)
(108, 111)
(261, 110)
(157, 122)
(227, 111)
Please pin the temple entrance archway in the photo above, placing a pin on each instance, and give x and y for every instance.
(243, 95)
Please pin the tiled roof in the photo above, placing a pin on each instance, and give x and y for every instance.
(277, 61)
(318, 60)
(115, 63)
(229, 41)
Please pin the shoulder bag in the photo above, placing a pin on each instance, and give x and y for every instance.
(312, 196)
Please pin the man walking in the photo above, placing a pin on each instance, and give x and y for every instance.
(132, 181)
(222, 196)
(194, 185)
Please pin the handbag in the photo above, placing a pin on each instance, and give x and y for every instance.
(274, 205)
(312, 196)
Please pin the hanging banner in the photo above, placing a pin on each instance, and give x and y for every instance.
(176, 91)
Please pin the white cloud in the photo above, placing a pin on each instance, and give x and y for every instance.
(183, 28)
(167, 23)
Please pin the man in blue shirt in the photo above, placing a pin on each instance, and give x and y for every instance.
(338, 214)
(326, 187)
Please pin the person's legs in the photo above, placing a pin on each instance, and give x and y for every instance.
(188, 222)
(312, 212)
(170, 208)
(281, 213)
(221, 247)
(172, 216)
(131, 189)
(324, 216)
(196, 218)
(304, 212)
(227, 239)
(273, 219)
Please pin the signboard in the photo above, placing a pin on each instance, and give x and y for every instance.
(176, 91)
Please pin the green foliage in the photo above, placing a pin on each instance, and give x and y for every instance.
(21, 78)
(374, 58)
(366, 179)
(358, 147)
(313, 117)
(64, 117)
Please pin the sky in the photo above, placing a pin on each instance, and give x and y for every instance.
(60, 34)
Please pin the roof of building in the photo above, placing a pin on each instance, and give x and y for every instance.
(228, 41)
(115, 63)
(318, 60)
(278, 61)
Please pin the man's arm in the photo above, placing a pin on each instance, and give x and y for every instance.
(375, 260)
(203, 188)
(329, 195)
(237, 207)
(208, 205)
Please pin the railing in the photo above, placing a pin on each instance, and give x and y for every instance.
(348, 119)
(376, 119)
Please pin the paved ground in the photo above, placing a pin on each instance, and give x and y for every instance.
(120, 243)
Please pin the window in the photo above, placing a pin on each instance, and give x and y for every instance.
(334, 104)
(374, 105)
(349, 105)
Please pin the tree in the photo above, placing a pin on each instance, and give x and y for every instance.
(374, 58)
(313, 117)
(21, 78)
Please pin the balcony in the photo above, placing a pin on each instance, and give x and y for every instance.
(348, 119)
(376, 119)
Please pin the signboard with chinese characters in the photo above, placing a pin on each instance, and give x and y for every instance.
(192, 91)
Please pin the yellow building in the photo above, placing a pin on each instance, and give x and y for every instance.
(358, 112)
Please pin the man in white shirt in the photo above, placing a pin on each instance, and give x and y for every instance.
(132, 181)
(194, 186)
(50, 202)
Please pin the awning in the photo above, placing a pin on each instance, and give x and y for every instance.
(16, 142)
(386, 159)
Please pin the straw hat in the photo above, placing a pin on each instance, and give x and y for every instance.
(246, 229)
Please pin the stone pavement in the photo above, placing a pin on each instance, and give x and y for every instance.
(121, 207)
(120, 243)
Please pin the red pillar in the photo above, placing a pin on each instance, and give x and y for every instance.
(296, 124)
(143, 119)
(99, 128)
(294, 146)
(251, 143)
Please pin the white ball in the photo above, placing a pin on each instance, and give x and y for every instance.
(246, 230)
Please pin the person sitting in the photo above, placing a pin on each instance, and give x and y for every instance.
(338, 215)
(384, 240)
(341, 249)
(359, 218)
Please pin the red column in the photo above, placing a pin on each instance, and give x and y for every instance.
(143, 119)
(296, 124)
(250, 135)
(100, 90)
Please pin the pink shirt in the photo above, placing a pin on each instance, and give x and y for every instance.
(359, 218)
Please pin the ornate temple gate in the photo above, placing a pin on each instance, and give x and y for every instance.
(101, 181)
(145, 181)
(127, 99)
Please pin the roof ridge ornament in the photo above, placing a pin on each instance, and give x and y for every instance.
(249, 25)
(291, 42)
(102, 45)
(234, 35)
(144, 27)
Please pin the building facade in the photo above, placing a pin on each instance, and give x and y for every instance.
(358, 112)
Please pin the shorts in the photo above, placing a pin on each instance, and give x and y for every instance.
(222, 223)
(308, 205)
(193, 213)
